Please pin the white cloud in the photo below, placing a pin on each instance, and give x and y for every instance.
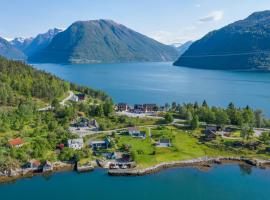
(213, 16)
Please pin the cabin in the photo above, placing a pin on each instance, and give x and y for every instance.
(122, 107)
(150, 107)
(211, 132)
(81, 96)
(17, 142)
(136, 133)
(94, 125)
(164, 143)
(103, 144)
(48, 166)
(33, 165)
(75, 144)
(211, 129)
(74, 98)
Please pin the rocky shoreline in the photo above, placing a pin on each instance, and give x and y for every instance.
(15, 174)
(200, 162)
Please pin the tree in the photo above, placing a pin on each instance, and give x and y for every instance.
(108, 107)
(258, 115)
(247, 132)
(168, 118)
(204, 104)
(221, 117)
(194, 123)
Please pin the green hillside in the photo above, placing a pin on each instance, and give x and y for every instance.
(243, 45)
(103, 41)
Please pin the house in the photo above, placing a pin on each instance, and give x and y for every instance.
(81, 96)
(17, 142)
(138, 108)
(136, 133)
(94, 124)
(210, 132)
(122, 107)
(164, 143)
(103, 144)
(60, 146)
(76, 144)
(150, 107)
(74, 98)
(33, 165)
(211, 129)
(48, 166)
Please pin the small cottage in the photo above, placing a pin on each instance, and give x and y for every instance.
(103, 144)
(17, 142)
(76, 144)
(48, 166)
(136, 133)
(164, 143)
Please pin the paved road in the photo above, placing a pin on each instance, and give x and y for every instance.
(63, 102)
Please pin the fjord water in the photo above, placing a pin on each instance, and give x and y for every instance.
(222, 182)
(163, 82)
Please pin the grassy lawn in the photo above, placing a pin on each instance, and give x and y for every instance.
(185, 147)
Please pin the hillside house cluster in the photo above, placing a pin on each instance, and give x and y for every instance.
(137, 108)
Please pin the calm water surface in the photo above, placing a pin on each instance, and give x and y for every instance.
(162, 82)
(222, 182)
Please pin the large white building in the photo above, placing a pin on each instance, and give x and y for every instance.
(76, 144)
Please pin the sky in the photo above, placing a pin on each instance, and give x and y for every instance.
(168, 21)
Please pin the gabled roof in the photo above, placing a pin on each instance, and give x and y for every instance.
(165, 141)
(133, 129)
(16, 141)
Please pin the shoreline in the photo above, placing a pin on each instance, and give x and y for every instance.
(5, 179)
(199, 163)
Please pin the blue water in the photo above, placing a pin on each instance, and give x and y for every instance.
(222, 183)
(162, 82)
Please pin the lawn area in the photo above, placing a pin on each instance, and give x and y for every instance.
(184, 147)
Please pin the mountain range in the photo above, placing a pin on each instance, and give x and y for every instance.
(182, 47)
(9, 51)
(102, 41)
(243, 45)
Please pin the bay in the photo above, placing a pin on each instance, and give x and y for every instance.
(162, 82)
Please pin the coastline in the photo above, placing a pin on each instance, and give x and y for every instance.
(20, 174)
(200, 163)
(197, 163)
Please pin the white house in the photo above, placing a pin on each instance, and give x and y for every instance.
(74, 98)
(136, 133)
(76, 144)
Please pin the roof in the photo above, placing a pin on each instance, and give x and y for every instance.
(133, 129)
(15, 142)
(98, 142)
(164, 141)
(73, 141)
(35, 162)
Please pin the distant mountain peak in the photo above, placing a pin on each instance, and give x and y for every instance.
(103, 40)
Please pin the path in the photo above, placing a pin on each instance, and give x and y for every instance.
(63, 102)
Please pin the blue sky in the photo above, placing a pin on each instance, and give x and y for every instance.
(168, 21)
